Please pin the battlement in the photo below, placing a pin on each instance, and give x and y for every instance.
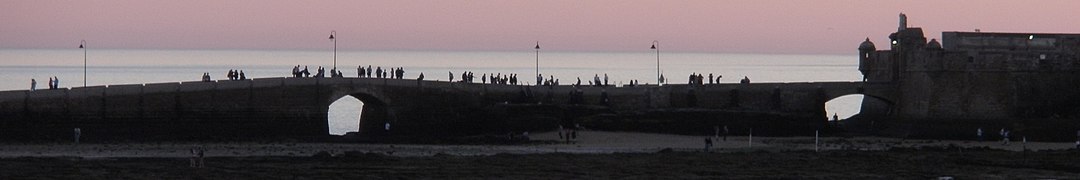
(1011, 42)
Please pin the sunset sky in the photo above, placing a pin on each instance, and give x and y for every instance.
(753, 26)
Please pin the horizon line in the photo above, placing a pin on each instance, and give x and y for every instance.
(444, 50)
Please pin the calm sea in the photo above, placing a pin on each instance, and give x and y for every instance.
(123, 66)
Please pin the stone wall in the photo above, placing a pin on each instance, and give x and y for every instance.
(296, 108)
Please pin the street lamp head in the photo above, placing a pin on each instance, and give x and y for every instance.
(332, 35)
(653, 47)
(80, 46)
(654, 43)
(81, 43)
(537, 45)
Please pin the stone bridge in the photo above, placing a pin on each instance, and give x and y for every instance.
(296, 108)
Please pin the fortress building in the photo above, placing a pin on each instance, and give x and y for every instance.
(979, 79)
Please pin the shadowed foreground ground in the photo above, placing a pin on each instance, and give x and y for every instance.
(904, 163)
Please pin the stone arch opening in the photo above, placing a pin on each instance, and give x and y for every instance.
(343, 115)
(359, 113)
(856, 105)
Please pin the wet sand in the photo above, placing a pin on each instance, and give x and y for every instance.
(589, 142)
(593, 154)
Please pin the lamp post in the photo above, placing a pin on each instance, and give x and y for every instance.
(537, 48)
(335, 47)
(82, 45)
(656, 46)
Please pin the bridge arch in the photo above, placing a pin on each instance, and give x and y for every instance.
(856, 104)
(374, 112)
(343, 115)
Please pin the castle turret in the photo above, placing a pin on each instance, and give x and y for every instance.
(866, 48)
(866, 51)
(903, 22)
(933, 45)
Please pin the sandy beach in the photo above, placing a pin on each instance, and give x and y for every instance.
(588, 142)
(593, 155)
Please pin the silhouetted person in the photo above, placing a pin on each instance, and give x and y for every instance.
(56, 82)
(710, 78)
(319, 73)
(513, 79)
(296, 71)
(483, 78)
(561, 131)
(420, 79)
(378, 72)
(745, 80)
(726, 132)
(78, 135)
(690, 80)
(386, 127)
(305, 72)
(33, 84)
(451, 76)
(1002, 134)
(708, 144)
(1004, 139)
(700, 79)
(400, 73)
(605, 79)
(202, 158)
(195, 154)
(369, 71)
(979, 134)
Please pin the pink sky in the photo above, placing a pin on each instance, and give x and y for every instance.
(753, 26)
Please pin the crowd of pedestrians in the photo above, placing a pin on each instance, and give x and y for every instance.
(491, 78)
(206, 77)
(54, 83)
(235, 75)
(499, 78)
(699, 79)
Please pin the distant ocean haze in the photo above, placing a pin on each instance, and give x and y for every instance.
(120, 66)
